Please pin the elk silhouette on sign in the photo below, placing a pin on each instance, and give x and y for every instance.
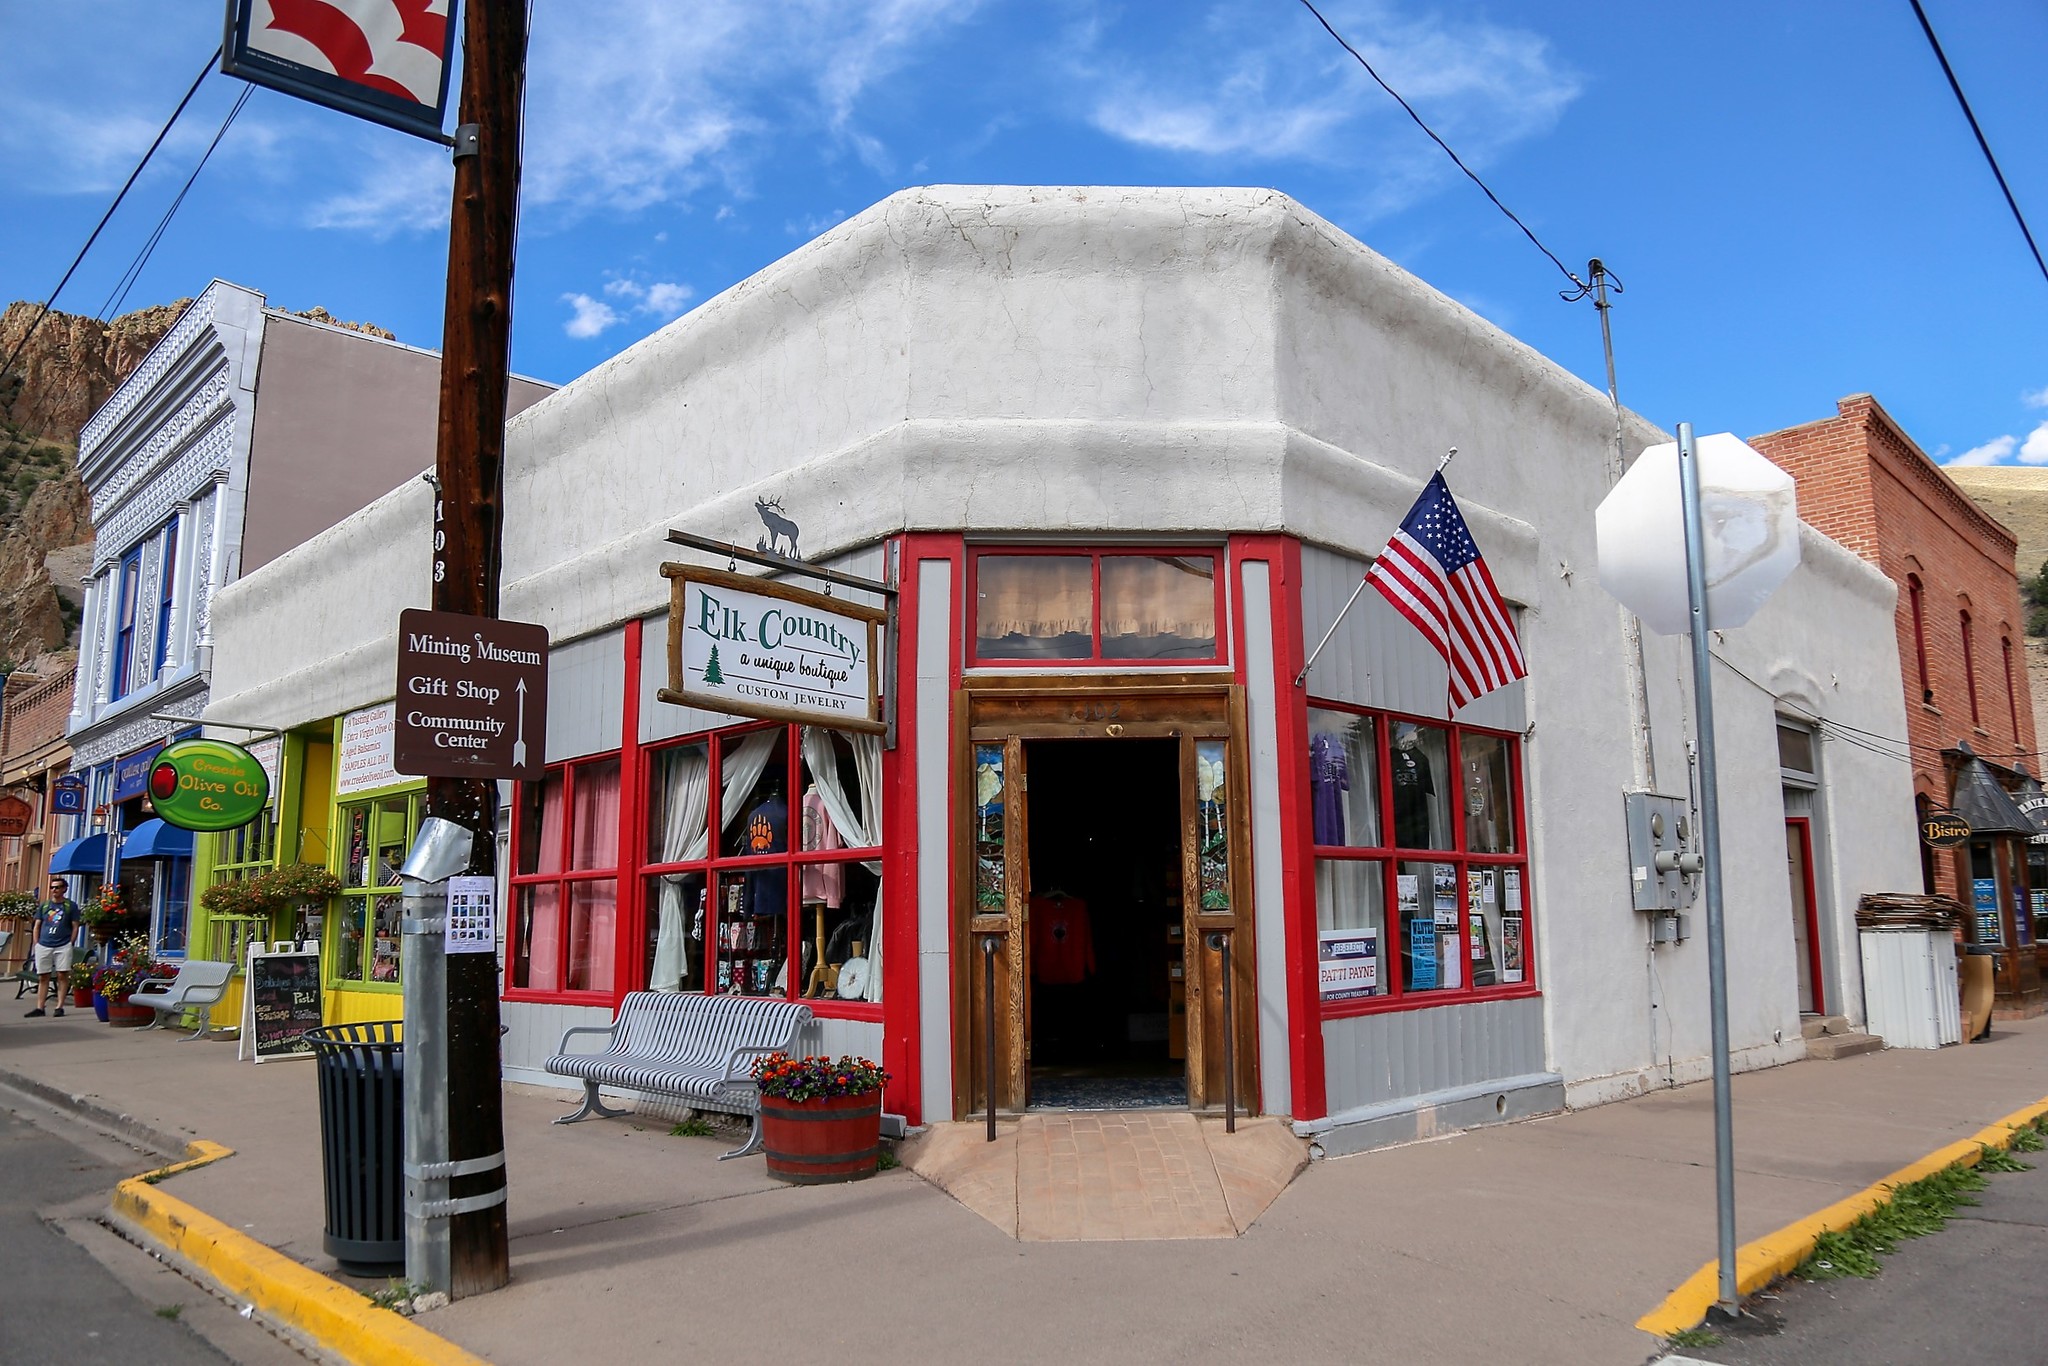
(781, 530)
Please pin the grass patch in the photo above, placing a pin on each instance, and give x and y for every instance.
(886, 1160)
(693, 1127)
(170, 1311)
(2027, 1139)
(1693, 1337)
(1999, 1160)
(397, 1294)
(1914, 1210)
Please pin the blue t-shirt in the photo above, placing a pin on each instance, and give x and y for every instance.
(56, 923)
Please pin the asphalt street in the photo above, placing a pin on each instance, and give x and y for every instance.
(60, 1304)
(1973, 1292)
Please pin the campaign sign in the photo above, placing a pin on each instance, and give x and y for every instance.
(1347, 964)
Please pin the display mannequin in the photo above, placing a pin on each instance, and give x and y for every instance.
(767, 832)
(1414, 790)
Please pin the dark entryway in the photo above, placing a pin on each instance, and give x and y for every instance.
(1107, 1015)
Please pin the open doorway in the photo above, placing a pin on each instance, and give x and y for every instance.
(1107, 1015)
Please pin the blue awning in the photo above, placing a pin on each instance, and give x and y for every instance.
(157, 839)
(86, 854)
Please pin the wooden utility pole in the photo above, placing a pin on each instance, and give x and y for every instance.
(468, 462)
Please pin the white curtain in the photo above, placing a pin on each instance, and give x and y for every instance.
(858, 829)
(685, 836)
(687, 798)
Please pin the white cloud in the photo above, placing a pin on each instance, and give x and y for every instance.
(2036, 398)
(406, 187)
(1991, 452)
(589, 317)
(2034, 450)
(667, 299)
(1247, 83)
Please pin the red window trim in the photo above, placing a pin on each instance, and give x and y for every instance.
(1914, 598)
(1394, 996)
(1215, 554)
(1970, 668)
(637, 865)
(564, 875)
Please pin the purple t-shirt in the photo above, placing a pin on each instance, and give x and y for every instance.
(1329, 778)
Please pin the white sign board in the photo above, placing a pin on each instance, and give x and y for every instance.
(1347, 964)
(365, 762)
(472, 915)
(751, 647)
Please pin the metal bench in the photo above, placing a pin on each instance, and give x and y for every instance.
(693, 1047)
(198, 986)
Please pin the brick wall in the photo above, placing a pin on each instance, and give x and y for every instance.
(35, 712)
(1863, 482)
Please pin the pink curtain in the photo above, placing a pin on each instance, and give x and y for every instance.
(542, 930)
(593, 906)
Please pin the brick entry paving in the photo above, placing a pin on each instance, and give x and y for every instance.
(1112, 1175)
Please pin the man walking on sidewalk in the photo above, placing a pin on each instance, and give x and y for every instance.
(56, 926)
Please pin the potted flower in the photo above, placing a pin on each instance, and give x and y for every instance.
(81, 983)
(821, 1120)
(117, 980)
(106, 914)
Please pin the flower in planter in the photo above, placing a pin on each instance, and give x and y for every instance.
(132, 963)
(817, 1077)
(108, 911)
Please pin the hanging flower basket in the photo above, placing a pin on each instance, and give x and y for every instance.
(821, 1121)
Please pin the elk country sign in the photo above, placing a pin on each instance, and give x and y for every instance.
(752, 647)
(472, 697)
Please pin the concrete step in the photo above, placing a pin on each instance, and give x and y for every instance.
(1833, 1046)
(1813, 1026)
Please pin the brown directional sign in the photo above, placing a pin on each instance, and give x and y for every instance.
(472, 697)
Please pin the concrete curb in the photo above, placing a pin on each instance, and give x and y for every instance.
(330, 1316)
(1759, 1263)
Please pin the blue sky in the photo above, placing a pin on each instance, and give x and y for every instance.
(1788, 192)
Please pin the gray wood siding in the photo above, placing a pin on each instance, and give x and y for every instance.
(1377, 659)
(1372, 1059)
(585, 708)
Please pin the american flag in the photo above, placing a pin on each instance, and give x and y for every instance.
(1432, 572)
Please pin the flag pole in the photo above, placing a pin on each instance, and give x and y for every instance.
(1351, 601)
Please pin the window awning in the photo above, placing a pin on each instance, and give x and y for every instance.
(157, 839)
(86, 854)
(1983, 801)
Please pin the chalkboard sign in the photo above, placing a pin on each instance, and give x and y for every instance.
(281, 1000)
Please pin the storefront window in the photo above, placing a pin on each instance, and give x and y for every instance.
(1126, 607)
(1424, 930)
(565, 885)
(375, 836)
(746, 891)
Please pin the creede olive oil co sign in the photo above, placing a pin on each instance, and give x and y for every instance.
(207, 785)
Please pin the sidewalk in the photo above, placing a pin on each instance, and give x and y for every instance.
(1535, 1242)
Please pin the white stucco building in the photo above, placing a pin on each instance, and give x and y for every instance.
(1124, 453)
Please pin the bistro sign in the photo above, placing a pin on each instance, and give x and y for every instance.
(1944, 830)
(753, 647)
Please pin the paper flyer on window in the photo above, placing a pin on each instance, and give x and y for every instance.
(1445, 881)
(1511, 948)
(1421, 955)
(472, 915)
(1513, 894)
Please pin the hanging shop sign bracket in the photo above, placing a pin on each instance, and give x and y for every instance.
(769, 559)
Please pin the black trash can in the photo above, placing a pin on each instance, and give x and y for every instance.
(362, 1144)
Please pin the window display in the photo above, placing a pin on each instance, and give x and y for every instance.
(1123, 606)
(375, 836)
(759, 871)
(1456, 925)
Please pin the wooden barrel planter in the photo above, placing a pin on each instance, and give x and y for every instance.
(121, 1015)
(818, 1142)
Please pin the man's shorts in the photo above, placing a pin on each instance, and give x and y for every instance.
(51, 961)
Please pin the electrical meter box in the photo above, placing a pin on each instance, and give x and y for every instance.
(1658, 825)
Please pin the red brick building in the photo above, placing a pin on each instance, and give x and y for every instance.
(1865, 483)
(33, 754)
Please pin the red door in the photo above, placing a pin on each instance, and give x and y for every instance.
(1805, 913)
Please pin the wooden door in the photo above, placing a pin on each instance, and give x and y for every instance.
(1805, 914)
(995, 890)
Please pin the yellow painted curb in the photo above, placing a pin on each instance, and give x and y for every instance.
(1759, 1263)
(330, 1314)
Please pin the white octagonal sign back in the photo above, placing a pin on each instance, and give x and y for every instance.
(1748, 515)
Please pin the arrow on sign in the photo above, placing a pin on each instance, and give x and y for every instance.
(519, 739)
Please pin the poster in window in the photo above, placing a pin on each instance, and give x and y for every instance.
(1984, 899)
(1450, 959)
(1421, 955)
(1347, 964)
(1446, 884)
(1512, 880)
(2022, 931)
(1511, 947)
(1408, 887)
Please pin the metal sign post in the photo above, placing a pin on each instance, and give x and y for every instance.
(1710, 848)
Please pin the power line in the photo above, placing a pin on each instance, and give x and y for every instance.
(119, 294)
(1983, 145)
(161, 133)
(1469, 174)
